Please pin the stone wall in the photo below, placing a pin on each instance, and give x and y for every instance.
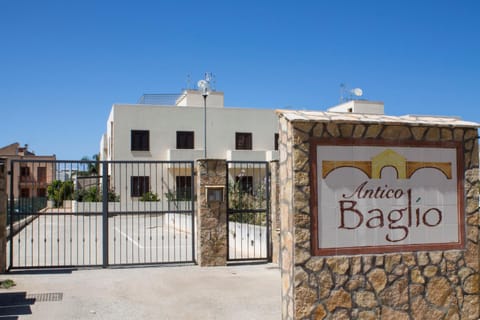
(212, 217)
(407, 285)
(275, 211)
(3, 215)
(287, 261)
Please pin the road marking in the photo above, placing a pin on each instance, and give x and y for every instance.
(129, 238)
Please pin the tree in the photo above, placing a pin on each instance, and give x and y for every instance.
(93, 165)
(59, 191)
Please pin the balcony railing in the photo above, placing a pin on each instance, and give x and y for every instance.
(165, 99)
(31, 179)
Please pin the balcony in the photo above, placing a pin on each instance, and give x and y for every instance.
(272, 155)
(184, 154)
(250, 155)
(31, 180)
(26, 179)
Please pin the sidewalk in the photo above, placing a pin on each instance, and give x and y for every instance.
(173, 292)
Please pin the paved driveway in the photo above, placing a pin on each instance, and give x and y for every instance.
(175, 292)
(68, 239)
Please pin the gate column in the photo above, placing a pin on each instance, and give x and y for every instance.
(212, 215)
(3, 215)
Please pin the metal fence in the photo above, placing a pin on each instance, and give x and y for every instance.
(248, 211)
(100, 213)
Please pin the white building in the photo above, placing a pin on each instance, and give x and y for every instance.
(150, 131)
(141, 132)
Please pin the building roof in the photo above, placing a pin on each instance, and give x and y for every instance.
(9, 150)
(322, 116)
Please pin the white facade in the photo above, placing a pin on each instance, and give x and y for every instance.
(163, 122)
(169, 182)
(359, 106)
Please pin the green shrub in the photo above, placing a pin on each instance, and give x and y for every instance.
(93, 194)
(59, 191)
(149, 196)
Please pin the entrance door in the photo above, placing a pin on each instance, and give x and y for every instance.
(248, 211)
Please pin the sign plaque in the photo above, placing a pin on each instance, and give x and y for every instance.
(377, 196)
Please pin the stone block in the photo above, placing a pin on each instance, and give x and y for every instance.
(378, 279)
(339, 299)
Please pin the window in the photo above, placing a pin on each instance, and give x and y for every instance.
(41, 192)
(25, 174)
(185, 140)
(24, 171)
(245, 184)
(24, 193)
(243, 141)
(140, 140)
(184, 188)
(276, 141)
(139, 185)
(42, 174)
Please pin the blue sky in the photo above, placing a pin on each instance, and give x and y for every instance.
(64, 63)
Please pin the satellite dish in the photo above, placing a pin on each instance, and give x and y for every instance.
(204, 86)
(357, 92)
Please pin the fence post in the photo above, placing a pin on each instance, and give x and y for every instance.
(212, 215)
(274, 211)
(105, 212)
(3, 215)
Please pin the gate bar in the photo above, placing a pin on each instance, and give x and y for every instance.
(268, 213)
(192, 192)
(12, 208)
(105, 213)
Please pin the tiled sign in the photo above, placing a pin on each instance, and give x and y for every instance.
(375, 197)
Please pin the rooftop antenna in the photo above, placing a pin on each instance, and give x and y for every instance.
(343, 88)
(211, 79)
(189, 81)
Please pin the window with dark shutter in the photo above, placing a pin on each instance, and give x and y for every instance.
(243, 140)
(42, 174)
(25, 171)
(139, 185)
(184, 188)
(140, 140)
(245, 184)
(185, 140)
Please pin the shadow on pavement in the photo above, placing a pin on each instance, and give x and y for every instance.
(43, 271)
(14, 304)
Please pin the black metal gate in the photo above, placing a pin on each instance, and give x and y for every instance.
(248, 211)
(100, 213)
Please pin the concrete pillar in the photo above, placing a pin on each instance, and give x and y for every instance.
(275, 210)
(3, 215)
(212, 213)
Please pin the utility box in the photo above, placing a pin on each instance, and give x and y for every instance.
(215, 193)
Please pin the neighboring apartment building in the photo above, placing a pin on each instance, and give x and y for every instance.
(175, 132)
(30, 178)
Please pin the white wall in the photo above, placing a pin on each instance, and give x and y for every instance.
(359, 106)
(193, 98)
(164, 121)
